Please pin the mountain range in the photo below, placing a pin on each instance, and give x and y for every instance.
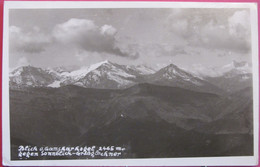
(150, 121)
(170, 112)
(108, 75)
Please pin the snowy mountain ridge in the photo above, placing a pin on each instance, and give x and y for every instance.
(100, 73)
(108, 75)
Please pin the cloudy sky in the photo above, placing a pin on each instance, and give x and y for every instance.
(155, 37)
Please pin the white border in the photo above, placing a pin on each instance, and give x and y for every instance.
(208, 161)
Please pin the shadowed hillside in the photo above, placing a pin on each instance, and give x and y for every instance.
(150, 121)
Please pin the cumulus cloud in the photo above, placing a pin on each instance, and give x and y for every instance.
(108, 30)
(213, 36)
(239, 23)
(73, 30)
(29, 42)
(86, 35)
(212, 29)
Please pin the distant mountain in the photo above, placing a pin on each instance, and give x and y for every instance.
(151, 121)
(231, 77)
(240, 67)
(232, 83)
(172, 75)
(236, 76)
(31, 76)
(108, 75)
(203, 71)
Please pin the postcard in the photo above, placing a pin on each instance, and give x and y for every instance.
(130, 83)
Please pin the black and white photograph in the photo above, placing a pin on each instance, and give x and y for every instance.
(137, 83)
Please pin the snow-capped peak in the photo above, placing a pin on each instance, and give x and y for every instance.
(16, 72)
(95, 66)
(19, 70)
(176, 76)
(31, 76)
(172, 71)
(77, 74)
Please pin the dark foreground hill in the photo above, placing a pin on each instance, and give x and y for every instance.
(150, 121)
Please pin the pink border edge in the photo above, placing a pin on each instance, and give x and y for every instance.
(1, 41)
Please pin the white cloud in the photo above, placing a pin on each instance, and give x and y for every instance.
(86, 35)
(30, 42)
(73, 29)
(212, 29)
(108, 30)
(218, 37)
(239, 23)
